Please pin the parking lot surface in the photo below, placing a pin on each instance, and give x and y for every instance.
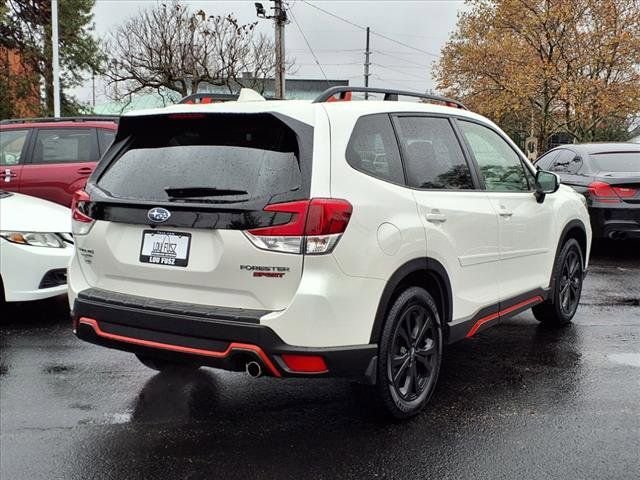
(517, 401)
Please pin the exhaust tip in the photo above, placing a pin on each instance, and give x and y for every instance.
(253, 369)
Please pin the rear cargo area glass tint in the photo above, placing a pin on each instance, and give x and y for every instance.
(618, 161)
(211, 159)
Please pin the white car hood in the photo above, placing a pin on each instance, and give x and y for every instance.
(23, 213)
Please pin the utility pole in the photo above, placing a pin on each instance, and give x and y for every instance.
(367, 64)
(280, 19)
(55, 60)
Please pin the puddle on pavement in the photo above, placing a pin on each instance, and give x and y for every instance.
(629, 359)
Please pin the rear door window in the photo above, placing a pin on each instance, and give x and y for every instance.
(566, 162)
(216, 159)
(546, 160)
(12, 146)
(373, 149)
(432, 155)
(65, 145)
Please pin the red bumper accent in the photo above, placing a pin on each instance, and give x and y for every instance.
(493, 316)
(177, 348)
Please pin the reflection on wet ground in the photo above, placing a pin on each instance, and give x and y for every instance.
(519, 400)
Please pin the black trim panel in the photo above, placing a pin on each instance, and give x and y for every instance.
(460, 330)
(98, 296)
(161, 322)
(426, 265)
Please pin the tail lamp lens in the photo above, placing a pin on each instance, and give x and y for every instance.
(80, 219)
(605, 193)
(625, 192)
(315, 227)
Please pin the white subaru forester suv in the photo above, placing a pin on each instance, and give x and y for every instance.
(328, 238)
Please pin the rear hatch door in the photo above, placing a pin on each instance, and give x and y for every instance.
(174, 196)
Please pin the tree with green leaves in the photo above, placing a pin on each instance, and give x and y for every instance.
(25, 27)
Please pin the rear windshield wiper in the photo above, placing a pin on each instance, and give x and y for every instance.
(201, 192)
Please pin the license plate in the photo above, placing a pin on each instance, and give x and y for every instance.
(165, 248)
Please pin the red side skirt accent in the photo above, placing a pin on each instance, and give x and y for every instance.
(493, 316)
(177, 348)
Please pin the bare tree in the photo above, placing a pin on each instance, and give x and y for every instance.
(169, 48)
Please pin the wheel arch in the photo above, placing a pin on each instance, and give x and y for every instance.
(573, 229)
(425, 272)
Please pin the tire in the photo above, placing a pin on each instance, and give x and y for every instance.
(561, 306)
(410, 354)
(162, 365)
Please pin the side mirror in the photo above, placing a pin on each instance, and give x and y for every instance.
(546, 183)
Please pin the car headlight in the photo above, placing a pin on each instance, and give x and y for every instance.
(35, 239)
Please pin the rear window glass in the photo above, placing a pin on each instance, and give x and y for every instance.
(618, 161)
(66, 145)
(213, 159)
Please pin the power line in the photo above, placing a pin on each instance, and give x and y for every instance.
(406, 45)
(308, 45)
(401, 73)
(403, 59)
(393, 83)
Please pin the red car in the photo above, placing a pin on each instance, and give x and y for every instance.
(52, 158)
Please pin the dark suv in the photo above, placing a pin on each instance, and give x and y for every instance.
(52, 158)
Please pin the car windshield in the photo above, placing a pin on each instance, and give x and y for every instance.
(617, 161)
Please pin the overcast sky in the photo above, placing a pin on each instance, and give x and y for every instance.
(339, 46)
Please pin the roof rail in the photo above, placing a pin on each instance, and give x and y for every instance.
(82, 118)
(389, 95)
(208, 97)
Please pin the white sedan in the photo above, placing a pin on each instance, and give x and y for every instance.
(35, 247)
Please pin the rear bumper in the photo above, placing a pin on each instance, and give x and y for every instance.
(219, 338)
(615, 222)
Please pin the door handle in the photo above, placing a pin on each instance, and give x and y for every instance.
(436, 217)
(85, 171)
(8, 175)
(504, 211)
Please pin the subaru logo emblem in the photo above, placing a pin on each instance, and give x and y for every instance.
(158, 214)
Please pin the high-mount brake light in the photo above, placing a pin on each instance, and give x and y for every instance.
(80, 219)
(187, 116)
(315, 227)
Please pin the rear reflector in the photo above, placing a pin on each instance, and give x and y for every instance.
(315, 227)
(305, 363)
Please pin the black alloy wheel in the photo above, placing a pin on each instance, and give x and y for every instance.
(410, 353)
(570, 285)
(562, 304)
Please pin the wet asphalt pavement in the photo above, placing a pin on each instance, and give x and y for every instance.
(517, 401)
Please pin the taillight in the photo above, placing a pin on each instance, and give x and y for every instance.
(315, 227)
(80, 219)
(625, 192)
(603, 192)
